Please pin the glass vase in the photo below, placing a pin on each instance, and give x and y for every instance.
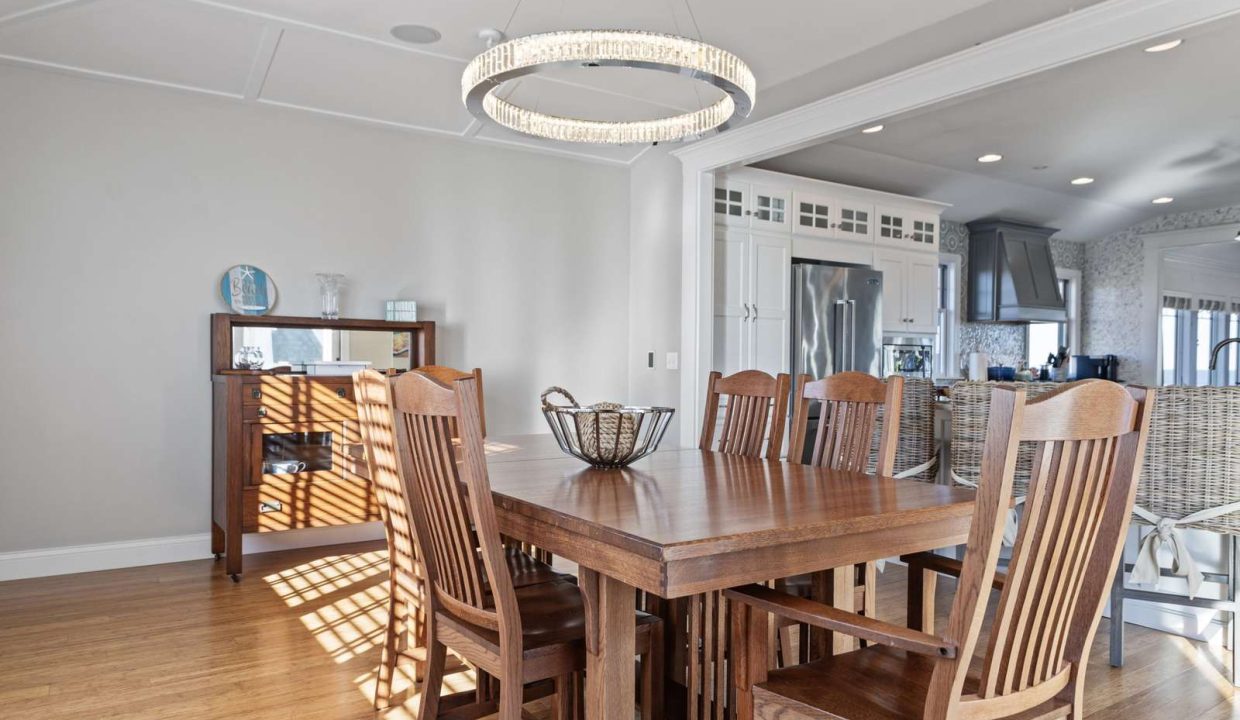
(329, 293)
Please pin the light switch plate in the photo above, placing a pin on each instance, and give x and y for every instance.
(673, 361)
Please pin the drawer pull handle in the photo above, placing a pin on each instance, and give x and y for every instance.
(340, 392)
(262, 412)
(268, 506)
(256, 393)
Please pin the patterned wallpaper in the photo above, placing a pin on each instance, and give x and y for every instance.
(1005, 343)
(1112, 297)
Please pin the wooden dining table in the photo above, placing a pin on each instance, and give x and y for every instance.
(681, 522)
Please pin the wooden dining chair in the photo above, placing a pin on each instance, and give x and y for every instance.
(1090, 437)
(517, 635)
(405, 635)
(754, 405)
(755, 410)
(853, 408)
(447, 375)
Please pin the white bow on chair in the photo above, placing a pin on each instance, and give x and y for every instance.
(1010, 527)
(1147, 571)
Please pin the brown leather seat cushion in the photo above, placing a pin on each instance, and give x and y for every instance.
(875, 683)
(525, 570)
(552, 613)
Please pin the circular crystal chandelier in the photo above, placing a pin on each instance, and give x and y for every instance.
(609, 48)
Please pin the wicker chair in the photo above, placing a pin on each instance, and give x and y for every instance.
(970, 408)
(917, 447)
(1190, 479)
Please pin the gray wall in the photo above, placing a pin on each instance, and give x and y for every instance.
(1005, 343)
(120, 207)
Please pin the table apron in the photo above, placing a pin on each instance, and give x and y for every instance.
(716, 572)
(689, 576)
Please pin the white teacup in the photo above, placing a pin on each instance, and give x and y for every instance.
(287, 466)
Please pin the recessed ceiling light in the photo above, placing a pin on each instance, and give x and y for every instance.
(873, 129)
(990, 157)
(416, 34)
(1162, 200)
(1082, 180)
(1164, 47)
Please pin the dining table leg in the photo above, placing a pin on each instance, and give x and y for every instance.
(611, 611)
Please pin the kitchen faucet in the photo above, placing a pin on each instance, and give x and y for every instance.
(1218, 348)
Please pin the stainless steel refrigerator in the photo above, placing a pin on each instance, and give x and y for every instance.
(836, 319)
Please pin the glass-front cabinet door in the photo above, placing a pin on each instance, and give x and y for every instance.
(854, 221)
(925, 232)
(813, 214)
(317, 451)
(770, 208)
(731, 204)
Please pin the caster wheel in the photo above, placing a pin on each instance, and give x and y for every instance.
(235, 577)
(218, 556)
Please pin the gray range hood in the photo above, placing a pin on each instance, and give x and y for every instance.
(1011, 274)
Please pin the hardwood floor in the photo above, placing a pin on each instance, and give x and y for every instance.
(297, 638)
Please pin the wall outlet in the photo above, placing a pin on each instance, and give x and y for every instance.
(673, 361)
(650, 359)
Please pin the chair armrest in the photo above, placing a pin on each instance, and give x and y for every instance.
(945, 566)
(829, 618)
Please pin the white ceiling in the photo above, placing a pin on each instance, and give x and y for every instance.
(338, 57)
(1143, 125)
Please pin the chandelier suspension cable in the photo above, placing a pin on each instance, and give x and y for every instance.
(512, 15)
(676, 24)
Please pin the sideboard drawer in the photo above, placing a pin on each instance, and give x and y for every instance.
(294, 389)
(278, 505)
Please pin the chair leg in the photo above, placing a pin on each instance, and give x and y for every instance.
(562, 701)
(922, 584)
(511, 698)
(870, 603)
(1117, 616)
(652, 676)
(1233, 578)
(435, 655)
(389, 654)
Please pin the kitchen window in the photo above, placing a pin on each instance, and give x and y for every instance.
(1043, 339)
(946, 361)
(1189, 328)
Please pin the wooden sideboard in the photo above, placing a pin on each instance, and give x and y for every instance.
(285, 445)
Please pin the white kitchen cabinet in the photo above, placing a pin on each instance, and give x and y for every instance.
(731, 203)
(854, 220)
(907, 229)
(813, 214)
(752, 276)
(753, 206)
(826, 216)
(910, 291)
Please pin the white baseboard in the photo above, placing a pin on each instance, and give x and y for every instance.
(155, 551)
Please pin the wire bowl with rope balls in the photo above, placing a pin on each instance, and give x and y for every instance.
(605, 435)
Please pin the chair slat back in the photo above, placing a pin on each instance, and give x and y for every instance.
(1088, 439)
(447, 376)
(378, 431)
(464, 558)
(850, 404)
(753, 401)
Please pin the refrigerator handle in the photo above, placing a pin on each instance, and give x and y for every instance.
(852, 334)
(842, 336)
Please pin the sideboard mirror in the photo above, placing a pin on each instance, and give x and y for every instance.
(289, 344)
